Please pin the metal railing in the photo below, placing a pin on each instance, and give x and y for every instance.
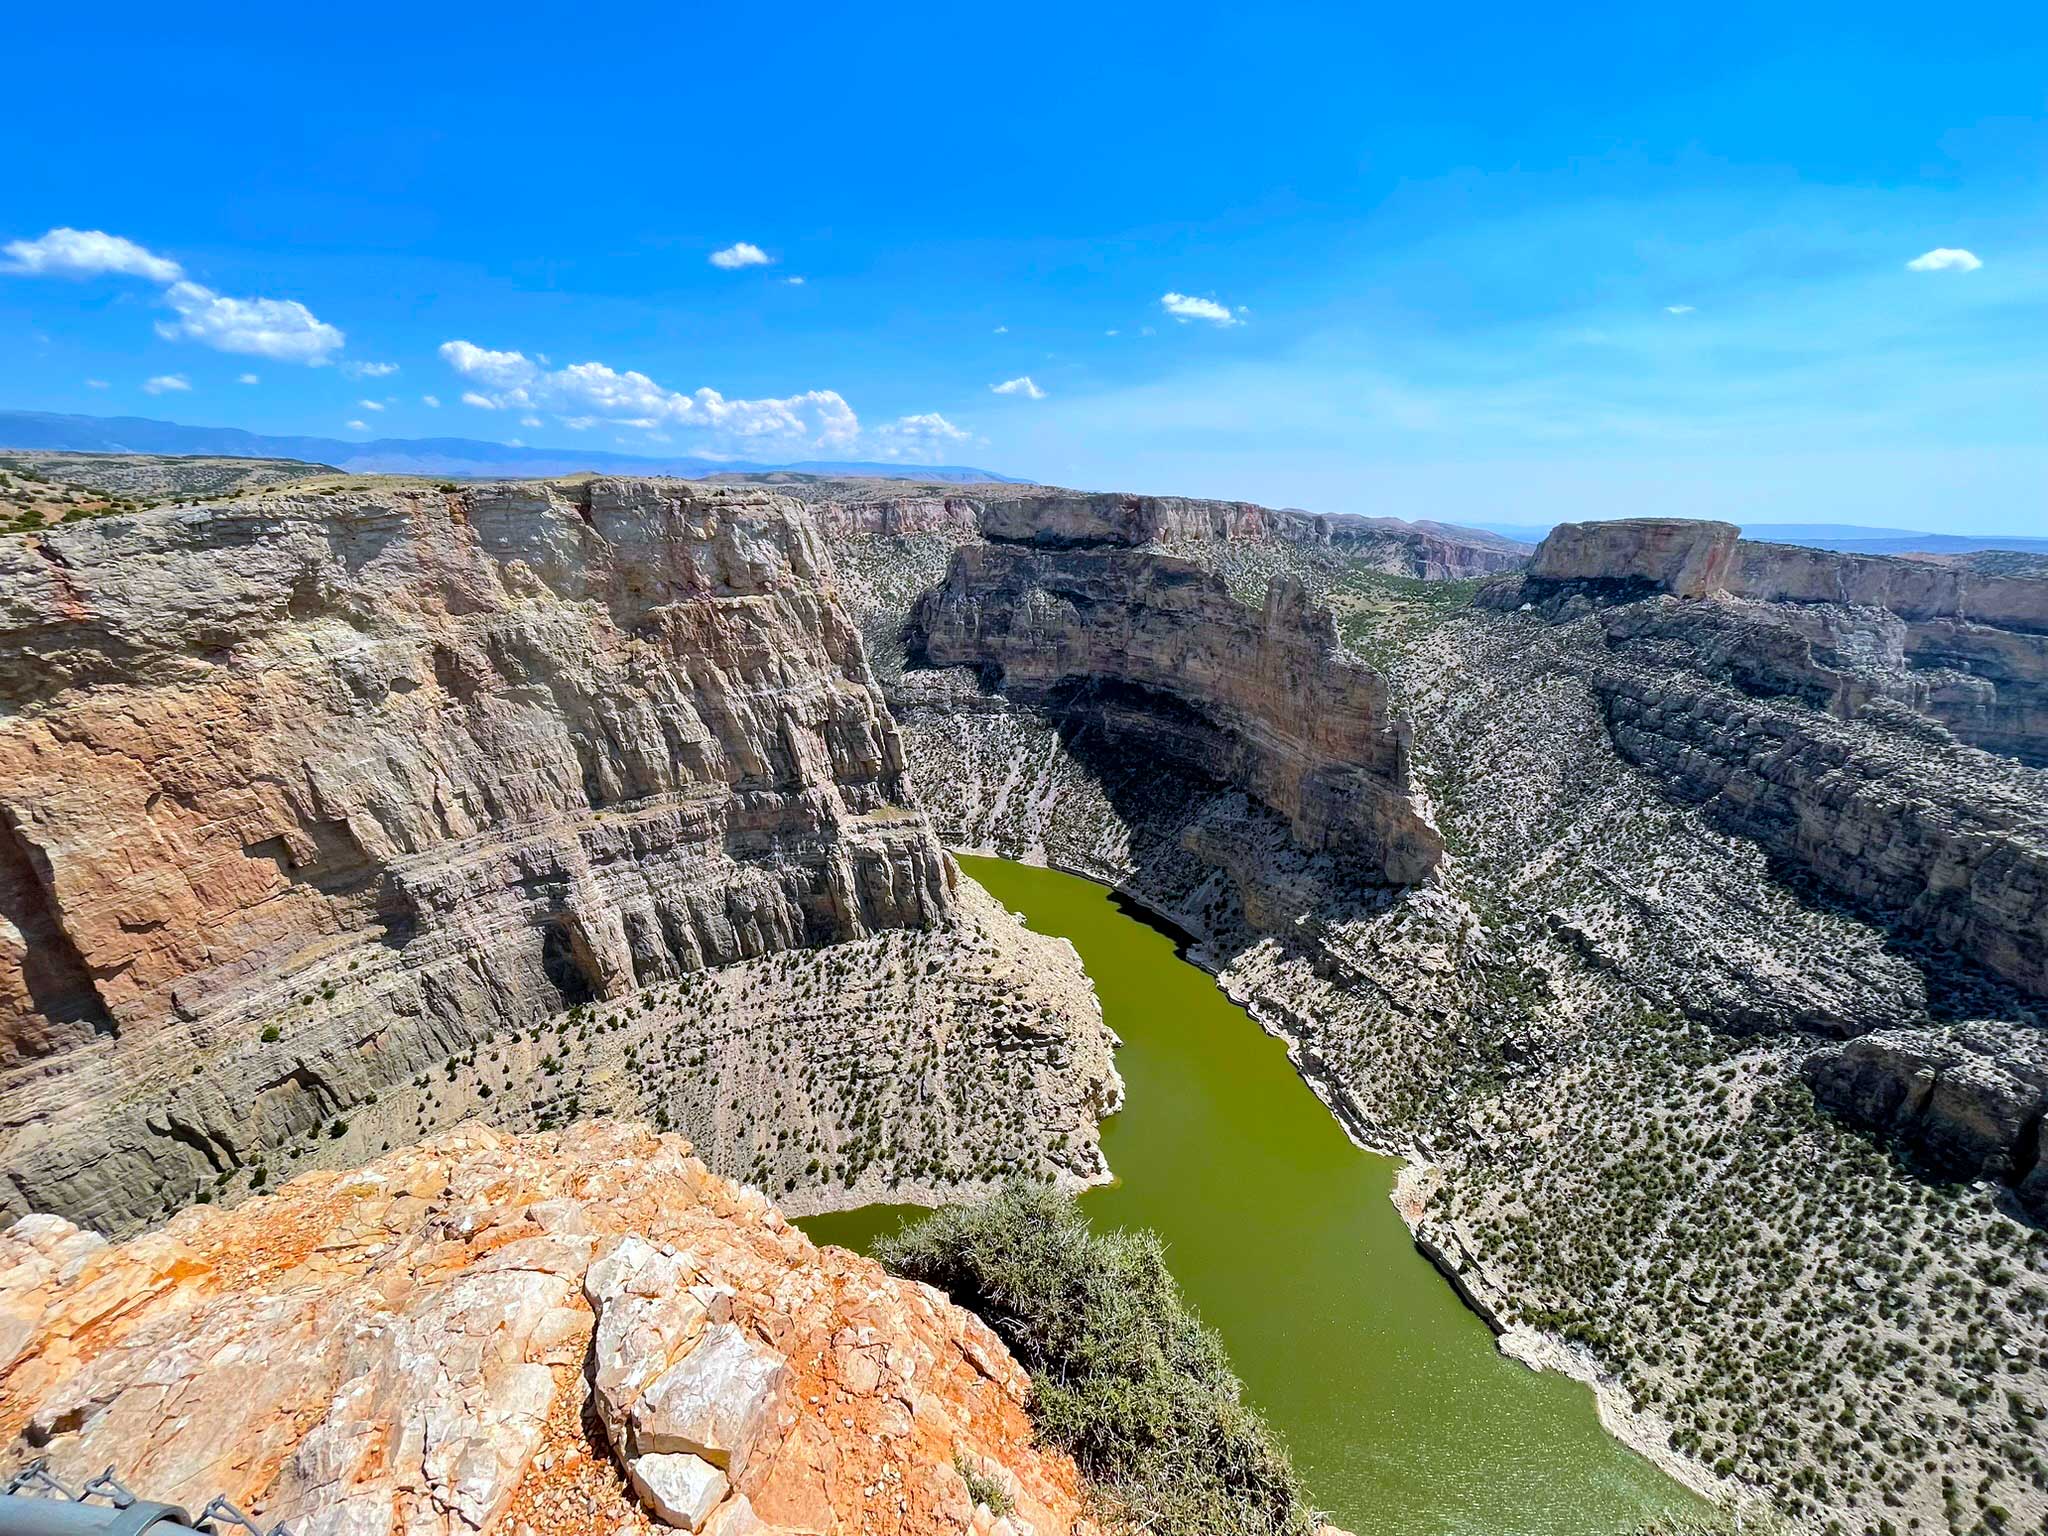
(35, 1502)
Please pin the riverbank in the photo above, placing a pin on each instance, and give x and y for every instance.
(1481, 1292)
(1392, 1393)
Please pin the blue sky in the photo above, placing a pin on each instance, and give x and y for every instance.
(1507, 263)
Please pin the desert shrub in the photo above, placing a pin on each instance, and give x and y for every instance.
(1125, 1378)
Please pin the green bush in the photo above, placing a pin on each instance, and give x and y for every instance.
(1125, 1378)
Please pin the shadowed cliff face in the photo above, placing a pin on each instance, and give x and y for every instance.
(1966, 648)
(1819, 704)
(424, 765)
(1154, 647)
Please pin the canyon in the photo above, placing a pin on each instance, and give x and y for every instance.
(1738, 867)
(313, 793)
(1675, 905)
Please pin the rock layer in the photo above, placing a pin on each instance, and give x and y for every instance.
(1810, 700)
(1154, 647)
(1050, 517)
(423, 765)
(1969, 1100)
(1963, 647)
(404, 1348)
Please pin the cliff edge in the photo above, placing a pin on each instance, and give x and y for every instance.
(551, 1334)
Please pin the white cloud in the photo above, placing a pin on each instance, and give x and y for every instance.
(96, 384)
(1111, 333)
(740, 254)
(248, 378)
(166, 383)
(919, 438)
(371, 405)
(1677, 309)
(513, 381)
(279, 328)
(1002, 330)
(1185, 307)
(530, 421)
(1022, 386)
(794, 282)
(1945, 258)
(87, 253)
(434, 401)
(359, 426)
(369, 370)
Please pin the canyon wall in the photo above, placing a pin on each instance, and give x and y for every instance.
(1878, 726)
(1808, 699)
(1897, 824)
(1153, 647)
(549, 1335)
(1053, 518)
(1963, 647)
(1969, 1100)
(402, 768)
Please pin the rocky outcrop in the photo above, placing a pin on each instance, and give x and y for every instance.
(1675, 555)
(414, 766)
(1965, 648)
(1055, 518)
(1050, 517)
(1941, 849)
(556, 1334)
(1970, 1100)
(1810, 700)
(1154, 648)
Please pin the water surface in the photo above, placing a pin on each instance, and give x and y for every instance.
(1389, 1392)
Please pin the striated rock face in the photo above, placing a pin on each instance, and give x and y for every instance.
(1968, 649)
(1970, 1100)
(1059, 518)
(1675, 555)
(897, 516)
(1942, 849)
(556, 1334)
(420, 765)
(1050, 517)
(1154, 647)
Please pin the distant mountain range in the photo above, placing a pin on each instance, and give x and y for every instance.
(1848, 538)
(455, 457)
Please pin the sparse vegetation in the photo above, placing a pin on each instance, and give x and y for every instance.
(1125, 1377)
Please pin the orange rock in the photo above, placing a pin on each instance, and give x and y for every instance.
(410, 1347)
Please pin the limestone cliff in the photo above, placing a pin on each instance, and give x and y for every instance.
(1965, 648)
(1050, 517)
(550, 1335)
(390, 771)
(1810, 700)
(1154, 647)
(1969, 1100)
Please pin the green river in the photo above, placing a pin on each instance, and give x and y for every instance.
(1399, 1411)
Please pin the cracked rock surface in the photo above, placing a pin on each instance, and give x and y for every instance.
(555, 1334)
